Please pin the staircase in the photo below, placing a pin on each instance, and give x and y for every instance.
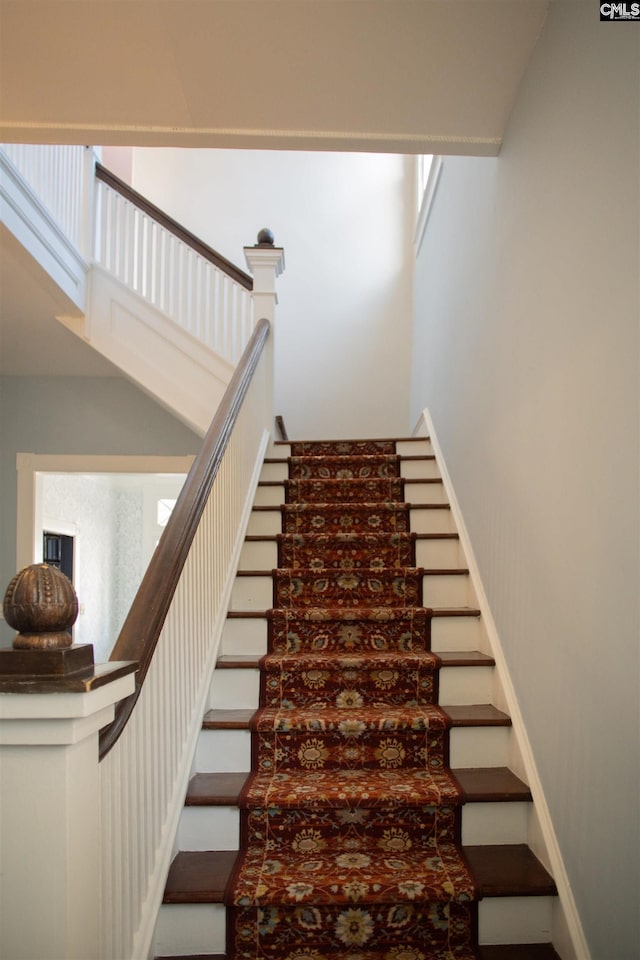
(481, 816)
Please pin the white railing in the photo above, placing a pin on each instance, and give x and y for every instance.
(133, 245)
(113, 227)
(61, 177)
(144, 776)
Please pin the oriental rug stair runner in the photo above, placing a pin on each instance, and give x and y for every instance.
(350, 831)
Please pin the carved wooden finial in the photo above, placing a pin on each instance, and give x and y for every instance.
(41, 604)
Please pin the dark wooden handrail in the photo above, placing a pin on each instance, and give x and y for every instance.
(141, 629)
(106, 176)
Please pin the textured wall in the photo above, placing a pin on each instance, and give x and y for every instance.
(108, 567)
(526, 352)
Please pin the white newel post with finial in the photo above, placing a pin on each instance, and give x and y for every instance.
(53, 702)
(265, 262)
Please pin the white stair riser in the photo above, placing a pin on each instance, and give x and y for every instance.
(515, 919)
(424, 493)
(229, 751)
(252, 593)
(431, 521)
(259, 555)
(264, 523)
(466, 685)
(248, 635)
(209, 828)
(419, 470)
(479, 746)
(273, 496)
(269, 496)
(233, 689)
(223, 751)
(446, 590)
(269, 522)
(201, 928)
(439, 590)
(240, 688)
(409, 469)
(274, 471)
(263, 554)
(190, 928)
(495, 822)
(434, 554)
(245, 635)
(218, 827)
(455, 633)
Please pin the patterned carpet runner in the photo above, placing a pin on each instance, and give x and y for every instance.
(350, 819)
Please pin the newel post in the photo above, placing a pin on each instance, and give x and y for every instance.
(266, 263)
(53, 702)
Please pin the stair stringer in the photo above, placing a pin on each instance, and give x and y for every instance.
(568, 934)
(175, 368)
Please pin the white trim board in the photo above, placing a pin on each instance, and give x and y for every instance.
(426, 202)
(568, 935)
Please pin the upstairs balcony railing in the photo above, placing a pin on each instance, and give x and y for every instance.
(117, 229)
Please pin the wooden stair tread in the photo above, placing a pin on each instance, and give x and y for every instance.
(509, 951)
(277, 507)
(463, 715)
(490, 784)
(409, 480)
(246, 614)
(435, 612)
(477, 715)
(273, 537)
(500, 870)
(238, 661)
(227, 719)
(465, 658)
(287, 443)
(449, 658)
(215, 789)
(426, 571)
(519, 951)
(199, 876)
(509, 870)
(455, 611)
(403, 456)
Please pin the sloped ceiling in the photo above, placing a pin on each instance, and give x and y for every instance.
(412, 76)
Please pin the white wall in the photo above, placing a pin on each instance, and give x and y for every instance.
(343, 321)
(526, 352)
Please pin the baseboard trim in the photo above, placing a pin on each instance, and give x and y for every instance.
(569, 938)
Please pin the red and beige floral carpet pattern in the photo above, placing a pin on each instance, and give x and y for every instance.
(350, 819)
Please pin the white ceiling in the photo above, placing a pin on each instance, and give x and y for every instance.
(422, 76)
(410, 76)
